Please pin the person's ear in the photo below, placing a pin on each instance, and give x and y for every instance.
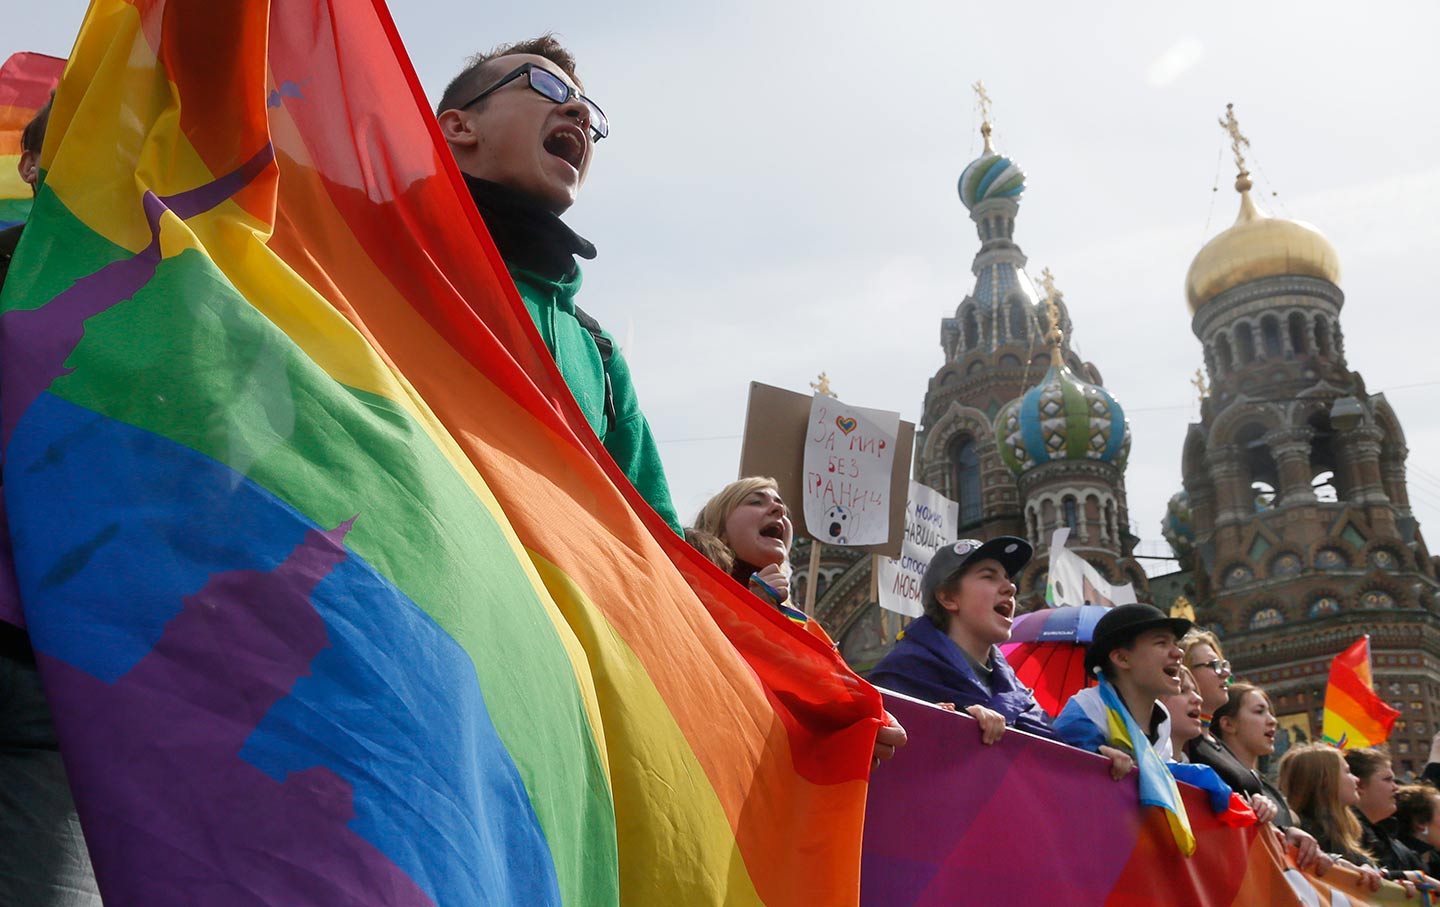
(457, 128)
(29, 167)
(949, 599)
(1119, 658)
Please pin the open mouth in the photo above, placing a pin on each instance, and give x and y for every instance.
(1193, 714)
(567, 142)
(773, 531)
(1172, 671)
(1006, 609)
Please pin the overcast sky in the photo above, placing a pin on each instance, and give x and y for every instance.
(777, 196)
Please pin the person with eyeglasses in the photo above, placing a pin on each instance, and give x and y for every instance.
(524, 134)
(1206, 660)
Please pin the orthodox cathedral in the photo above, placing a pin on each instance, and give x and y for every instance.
(1016, 428)
(1294, 529)
(1293, 532)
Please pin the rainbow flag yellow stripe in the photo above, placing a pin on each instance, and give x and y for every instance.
(337, 597)
(1355, 716)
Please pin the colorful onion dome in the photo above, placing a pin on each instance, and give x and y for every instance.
(1178, 525)
(990, 176)
(1062, 418)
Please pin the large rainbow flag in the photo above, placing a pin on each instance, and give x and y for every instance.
(1355, 716)
(26, 80)
(1030, 821)
(335, 597)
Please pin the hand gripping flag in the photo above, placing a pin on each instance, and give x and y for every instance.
(336, 598)
(1355, 717)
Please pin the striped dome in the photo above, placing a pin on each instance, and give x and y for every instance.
(1062, 418)
(990, 176)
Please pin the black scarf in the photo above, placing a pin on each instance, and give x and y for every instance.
(528, 235)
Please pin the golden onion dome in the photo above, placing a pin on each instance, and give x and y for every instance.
(1258, 245)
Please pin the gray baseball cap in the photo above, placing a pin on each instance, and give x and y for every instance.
(949, 560)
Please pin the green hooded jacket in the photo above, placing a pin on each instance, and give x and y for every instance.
(552, 304)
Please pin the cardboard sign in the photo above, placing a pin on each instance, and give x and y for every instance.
(931, 520)
(775, 430)
(849, 459)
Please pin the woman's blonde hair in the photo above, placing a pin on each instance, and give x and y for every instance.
(1197, 637)
(1310, 778)
(715, 514)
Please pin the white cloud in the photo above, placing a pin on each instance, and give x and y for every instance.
(1174, 62)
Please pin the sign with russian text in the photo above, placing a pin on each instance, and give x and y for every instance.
(849, 458)
(931, 520)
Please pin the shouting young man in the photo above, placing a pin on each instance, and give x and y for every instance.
(1137, 649)
(524, 136)
(949, 655)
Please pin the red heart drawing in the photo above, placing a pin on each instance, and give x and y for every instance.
(845, 424)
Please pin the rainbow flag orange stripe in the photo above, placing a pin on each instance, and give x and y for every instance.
(26, 80)
(336, 597)
(1355, 717)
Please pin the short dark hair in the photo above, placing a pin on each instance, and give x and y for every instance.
(471, 80)
(33, 137)
(1366, 762)
(1414, 807)
(939, 615)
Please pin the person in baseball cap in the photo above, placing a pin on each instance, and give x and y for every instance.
(949, 655)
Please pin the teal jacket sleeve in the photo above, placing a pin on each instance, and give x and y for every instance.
(632, 444)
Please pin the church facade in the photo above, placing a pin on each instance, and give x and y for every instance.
(1294, 528)
(1016, 428)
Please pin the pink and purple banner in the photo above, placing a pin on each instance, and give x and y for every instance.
(1028, 821)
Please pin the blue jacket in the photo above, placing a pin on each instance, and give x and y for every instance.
(928, 665)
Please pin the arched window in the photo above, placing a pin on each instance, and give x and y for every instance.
(965, 478)
(1245, 343)
(972, 330)
(1298, 346)
(1072, 514)
(1222, 354)
(1322, 336)
(1270, 336)
(1019, 330)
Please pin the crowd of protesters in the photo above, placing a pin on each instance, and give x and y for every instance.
(524, 135)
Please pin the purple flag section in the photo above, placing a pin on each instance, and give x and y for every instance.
(237, 647)
(944, 819)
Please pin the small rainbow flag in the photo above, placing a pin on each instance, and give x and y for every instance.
(1355, 717)
(335, 595)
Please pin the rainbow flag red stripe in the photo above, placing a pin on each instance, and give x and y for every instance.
(335, 596)
(1355, 717)
(26, 80)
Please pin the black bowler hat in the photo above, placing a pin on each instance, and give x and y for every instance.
(1122, 625)
(1012, 553)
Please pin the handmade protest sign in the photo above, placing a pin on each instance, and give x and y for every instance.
(931, 520)
(776, 424)
(849, 458)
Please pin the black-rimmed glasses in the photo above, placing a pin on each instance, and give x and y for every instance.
(551, 86)
(1220, 666)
